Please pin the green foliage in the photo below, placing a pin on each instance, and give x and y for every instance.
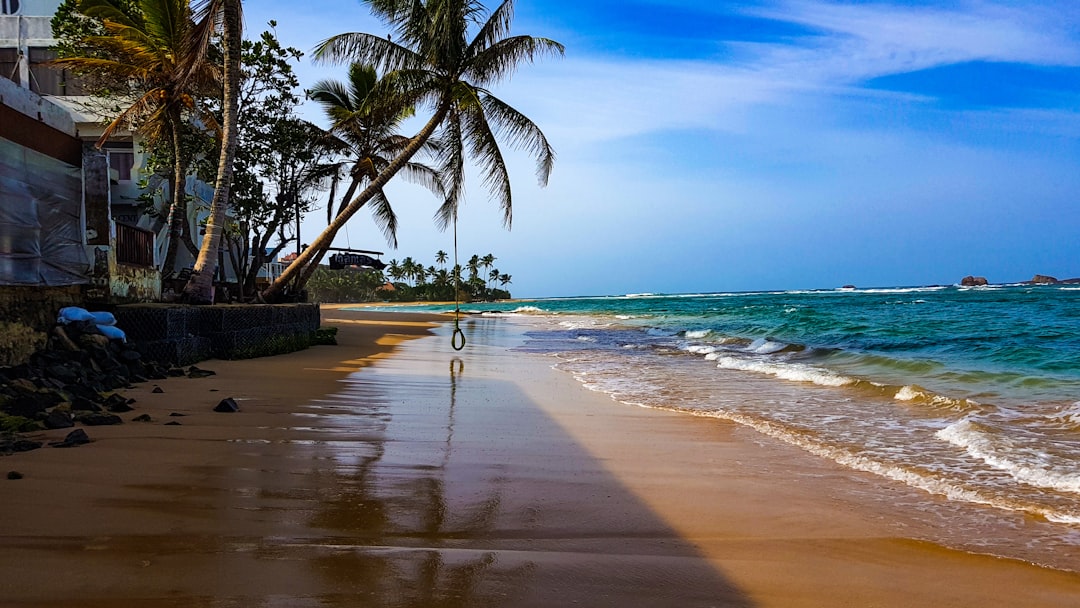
(18, 424)
(18, 342)
(277, 345)
(325, 336)
(282, 162)
(412, 282)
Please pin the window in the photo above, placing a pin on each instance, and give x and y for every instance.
(123, 162)
(9, 7)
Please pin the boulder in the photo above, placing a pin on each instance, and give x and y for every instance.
(58, 419)
(971, 281)
(227, 405)
(74, 438)
(97, 418)
(1042, 279)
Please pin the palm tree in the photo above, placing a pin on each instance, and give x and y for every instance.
(493, 275)
(488, 261)
(439, 64)
(394, 270)
(504, 279)
(366, 112)
(474, 267)
(200, 287)
(440, 257)
(155, 55)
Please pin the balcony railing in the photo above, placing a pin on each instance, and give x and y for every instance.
(134, 245)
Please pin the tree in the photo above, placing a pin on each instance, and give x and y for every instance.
(281, 162)
(431, 52)
(200, 287)
(366, 113)
(440, 257)
(148, 55)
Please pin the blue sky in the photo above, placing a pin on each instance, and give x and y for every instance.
(712, 146)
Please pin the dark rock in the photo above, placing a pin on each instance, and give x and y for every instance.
(194, 372)
(80, 390)
(14, 475)
(227, 405)
(98, 419)
(24, 445)
(74, 438)
(175, 372)
(64, 372)
(142, 418)
(177, 414)
(130, 355)
(173, 423)
(136, 379)
(970, 281)
(848, 287)
(83, 404)
(89, 341)
(1042, 279)
(157, 389)
(118, 403)
(58, 419)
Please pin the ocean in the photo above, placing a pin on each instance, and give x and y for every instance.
(962, 405)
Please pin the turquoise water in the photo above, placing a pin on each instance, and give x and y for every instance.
(970, 395)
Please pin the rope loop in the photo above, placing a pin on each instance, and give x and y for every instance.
(458, 339)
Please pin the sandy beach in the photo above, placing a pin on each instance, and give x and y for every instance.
(392, 471)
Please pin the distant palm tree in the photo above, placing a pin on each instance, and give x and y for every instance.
(435, 56)
(474, 267)
(488, 261)
(440, 257)
(394, 270)
(493, 275)
(504, 279)
(154, 54)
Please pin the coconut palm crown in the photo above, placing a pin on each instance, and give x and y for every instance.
(430, 49)
(366, 114)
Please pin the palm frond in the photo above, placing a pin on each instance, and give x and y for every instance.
(384, 217)
(494, 29)
(521, 133)
(484, 149)
(500, 59)
(365, 48)
(452, 168)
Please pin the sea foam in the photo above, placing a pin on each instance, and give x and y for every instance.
(785, 371)
(1025, 465)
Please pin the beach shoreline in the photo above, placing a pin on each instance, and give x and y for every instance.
(476, 478)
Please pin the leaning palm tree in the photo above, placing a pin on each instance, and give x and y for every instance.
(447, 52)
(153, 57)
(366, 113)
(200, 287)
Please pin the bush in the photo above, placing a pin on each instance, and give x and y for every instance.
(325, 335)
(18, 342)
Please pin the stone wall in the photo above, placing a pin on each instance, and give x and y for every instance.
(181, 335)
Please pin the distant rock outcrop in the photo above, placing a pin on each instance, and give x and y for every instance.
(970, 281)
(1042, 279)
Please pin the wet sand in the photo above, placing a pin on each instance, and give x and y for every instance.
(435, 478)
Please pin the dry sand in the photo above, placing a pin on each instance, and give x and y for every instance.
(435, 478)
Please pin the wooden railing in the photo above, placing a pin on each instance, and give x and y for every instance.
(134, 245)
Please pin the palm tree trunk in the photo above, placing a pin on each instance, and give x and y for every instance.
(178, 206)
(326, 237)
(200, 288)
(313, 265)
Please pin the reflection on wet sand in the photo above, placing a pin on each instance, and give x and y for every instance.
(431, 514)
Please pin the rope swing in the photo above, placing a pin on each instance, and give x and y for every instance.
(458, 339)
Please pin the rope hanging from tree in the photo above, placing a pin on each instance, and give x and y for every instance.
(458, 339)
